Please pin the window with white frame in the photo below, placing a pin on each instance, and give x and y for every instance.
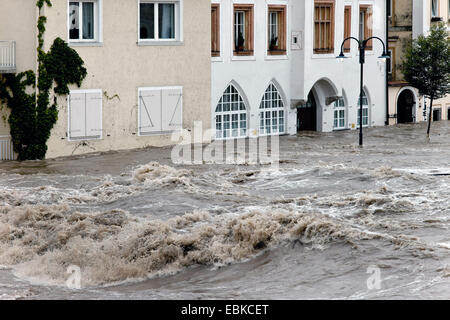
(84, 21)
(434, 8)
(277, 30)
(389, 8)
(365, 103)
(339, 115)
(159, 20)
(85, 114)
(231, 115)
(160, 110)
(243, 30)
(271, 115)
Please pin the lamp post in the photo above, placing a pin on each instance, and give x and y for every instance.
(362, 45)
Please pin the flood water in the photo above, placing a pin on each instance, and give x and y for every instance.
(140, 227)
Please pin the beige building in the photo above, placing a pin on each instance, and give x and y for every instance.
(408, 19)
(148, 63)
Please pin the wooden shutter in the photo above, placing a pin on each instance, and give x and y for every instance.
(347, 27)
(77, 115)
(172, 109)
(149, 111)
(324, 26)
(94, 115)
(215, 30)
(368, 23)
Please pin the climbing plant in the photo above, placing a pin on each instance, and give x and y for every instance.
(32, 114)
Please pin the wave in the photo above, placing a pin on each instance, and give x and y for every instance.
(41, 242)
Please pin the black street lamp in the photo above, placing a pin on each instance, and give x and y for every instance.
(362, 45)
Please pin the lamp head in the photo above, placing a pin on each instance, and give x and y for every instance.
(341, 57)
(384, 56)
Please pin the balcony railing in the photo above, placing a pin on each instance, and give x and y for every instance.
(6, 149)
(7, 56)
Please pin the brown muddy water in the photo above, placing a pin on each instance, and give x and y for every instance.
(140, 227)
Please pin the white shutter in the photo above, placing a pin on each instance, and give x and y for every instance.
(77, 126)
(172, 109)
(149, 111)
(94, 115)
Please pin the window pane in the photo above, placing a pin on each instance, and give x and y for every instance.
(74, 23)
(147, 21)
(88, 20)
(239, 29)
(166, 20)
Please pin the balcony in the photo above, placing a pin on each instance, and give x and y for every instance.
(6, 149)
(7, 56)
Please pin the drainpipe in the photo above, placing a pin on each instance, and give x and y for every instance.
(387, 68)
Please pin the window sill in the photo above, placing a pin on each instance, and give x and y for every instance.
(276, 52)
(323, 56)
(243, 53)
(277, 57)
(216, 59)
(437, 19)
(160, 43)
(243, 58)
(92, 138)
(159, 133)
(85, 44)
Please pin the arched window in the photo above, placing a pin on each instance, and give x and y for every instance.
(231, 115)
(271, 115)
(365, 103)
(340, 118)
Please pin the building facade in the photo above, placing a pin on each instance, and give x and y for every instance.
(274, 66)
(245, 68)
(407, 20)
(140, 86)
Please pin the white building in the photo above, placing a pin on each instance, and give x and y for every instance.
(274, 66)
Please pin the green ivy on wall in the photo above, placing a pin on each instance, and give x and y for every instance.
(32, 115)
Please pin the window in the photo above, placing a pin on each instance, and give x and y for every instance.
(215, 30)
(271, 114)
(85, 115)
(83, 21)
(323, 26)
(159, 21)
(366, 24)
(434, 8)
(231, 115)
(339, 115)
(160, 110)
(391, 62)
(347, 27)
(277, 30)
(365, 102)
(448, 112)
(243, 30)
(437, 114)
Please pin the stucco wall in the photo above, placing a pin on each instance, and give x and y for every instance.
(343, 78)
(118, 66)
(252, 74)
(18, 23)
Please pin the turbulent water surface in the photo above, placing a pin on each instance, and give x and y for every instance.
(140, 227)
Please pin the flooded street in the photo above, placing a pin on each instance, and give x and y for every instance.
(139, 227)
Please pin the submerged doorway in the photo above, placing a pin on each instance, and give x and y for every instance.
(307, 115)
(405, 107)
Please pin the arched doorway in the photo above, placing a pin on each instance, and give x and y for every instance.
(405, 107)
(307, 115)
